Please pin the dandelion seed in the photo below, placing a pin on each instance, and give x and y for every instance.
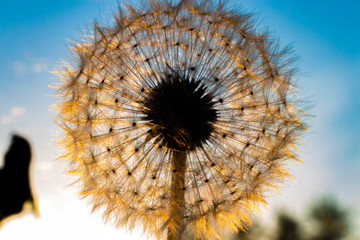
(179, 117)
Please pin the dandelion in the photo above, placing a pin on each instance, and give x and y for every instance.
(179, 117)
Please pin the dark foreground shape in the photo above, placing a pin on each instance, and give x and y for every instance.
(14, 178)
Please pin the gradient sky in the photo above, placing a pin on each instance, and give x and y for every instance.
(34, 36)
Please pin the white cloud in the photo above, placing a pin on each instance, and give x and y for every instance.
(39, 67)
(14, 113)
(19, 67)
(31, 65)
(17, 111)
(6, 120)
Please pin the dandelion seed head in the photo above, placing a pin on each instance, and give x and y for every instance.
(190, 79)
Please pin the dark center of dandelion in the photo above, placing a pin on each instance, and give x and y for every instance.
(180, 112)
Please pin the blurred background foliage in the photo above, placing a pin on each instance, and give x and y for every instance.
(326, 219)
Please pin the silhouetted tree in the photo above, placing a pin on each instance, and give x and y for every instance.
(14, 178)
(254, 232)
(328, 221)
(242, 235)
(288, 228)
(332, 220)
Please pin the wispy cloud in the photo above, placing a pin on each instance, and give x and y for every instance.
(19, 67)
(39, 67)
(30, 65)
(15, 112)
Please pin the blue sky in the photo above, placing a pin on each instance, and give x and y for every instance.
(325, 35)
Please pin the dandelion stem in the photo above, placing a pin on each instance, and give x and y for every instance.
(177, 195)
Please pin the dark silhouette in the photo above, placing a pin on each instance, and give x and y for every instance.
(14, 179)
(242, 235)
(253, 232)
(327, 220)
(332, 220)
(288, 228)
